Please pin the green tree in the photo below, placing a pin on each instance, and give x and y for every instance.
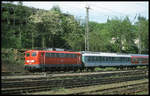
(99, 37)
(123, 34)
(129, 45)
(142, 34)
(74, 33)
(48, 23)
(14, 25)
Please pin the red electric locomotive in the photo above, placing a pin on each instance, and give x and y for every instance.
(52, 60)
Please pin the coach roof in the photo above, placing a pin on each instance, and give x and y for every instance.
(106, 54)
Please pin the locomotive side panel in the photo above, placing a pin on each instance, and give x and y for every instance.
(62, 60)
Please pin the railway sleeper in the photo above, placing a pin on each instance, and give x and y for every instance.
(33, 83)
(5, 91)
(90, 75)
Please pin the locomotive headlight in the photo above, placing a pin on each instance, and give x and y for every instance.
(32, 61)
(28, 61)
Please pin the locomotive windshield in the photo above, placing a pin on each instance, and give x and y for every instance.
(33, 54)
(27, 54)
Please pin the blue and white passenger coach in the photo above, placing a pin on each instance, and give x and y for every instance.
(99, 59)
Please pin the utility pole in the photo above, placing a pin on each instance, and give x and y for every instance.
(20, 27)
(33, 12)
(139, 36)
(87, 29)
(139, 40)
(20, 34)
(32, 41)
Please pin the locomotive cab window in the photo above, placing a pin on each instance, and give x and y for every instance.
(27, 54)
(42, 54)
(33, 54)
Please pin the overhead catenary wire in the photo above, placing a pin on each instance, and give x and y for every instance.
(112, 11)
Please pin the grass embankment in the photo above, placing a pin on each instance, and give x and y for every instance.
(105, 69)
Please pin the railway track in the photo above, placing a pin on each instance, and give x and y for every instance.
(41, 87)
(134, 89)
(64, 76)
(42, 75)
(58, 81)
(124, 90)
(23, 87)
(61, 72)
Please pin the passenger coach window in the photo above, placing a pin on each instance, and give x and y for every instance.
(89, 58)
(46, 54)
(99, 58)
(27, 54)
(33, 54)
(70, 55)
(61, 55)
(57, 55)
(129, 59)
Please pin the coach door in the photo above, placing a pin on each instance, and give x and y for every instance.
(78, 59)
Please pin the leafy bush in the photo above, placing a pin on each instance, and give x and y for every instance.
(12, 60)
